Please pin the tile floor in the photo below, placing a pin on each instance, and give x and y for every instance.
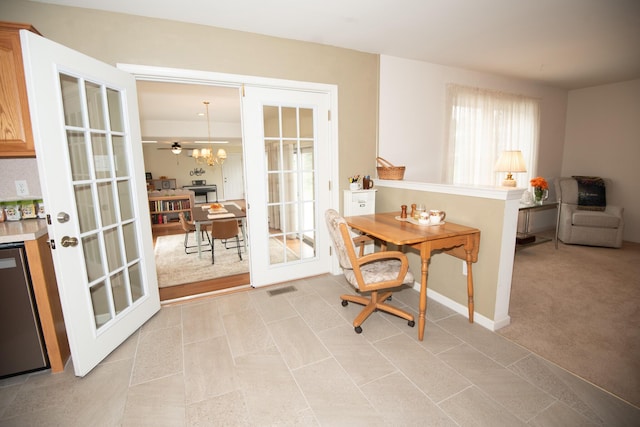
(251, 359)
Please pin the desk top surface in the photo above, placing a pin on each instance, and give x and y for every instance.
(385, 227)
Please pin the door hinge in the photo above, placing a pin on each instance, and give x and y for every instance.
(329, 185)
(52, 244)
(242, 89)
(48, 219)
(330, 250)
(329, 115)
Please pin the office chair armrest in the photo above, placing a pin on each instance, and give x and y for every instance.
(360, 241)
(381, 256)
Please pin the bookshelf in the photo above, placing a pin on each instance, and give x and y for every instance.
(164, 208)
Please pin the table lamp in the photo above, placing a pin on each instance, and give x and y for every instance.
(510, 161)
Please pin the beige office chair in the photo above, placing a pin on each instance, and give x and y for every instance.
(190, 227)
(375, 273)
(225, 229)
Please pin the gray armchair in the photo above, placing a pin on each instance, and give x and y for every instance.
(586, 227)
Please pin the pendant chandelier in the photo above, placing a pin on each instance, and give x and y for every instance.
(205, 156)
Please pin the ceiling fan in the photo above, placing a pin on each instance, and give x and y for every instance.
(175, 148)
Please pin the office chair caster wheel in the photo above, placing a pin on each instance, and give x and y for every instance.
(358, 329)
(345, 303)
(411, 323)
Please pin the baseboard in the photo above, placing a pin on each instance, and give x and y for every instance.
(481, 320)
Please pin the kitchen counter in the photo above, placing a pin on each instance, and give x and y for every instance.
(23, 230)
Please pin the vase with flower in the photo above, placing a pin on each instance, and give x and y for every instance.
(540, 189)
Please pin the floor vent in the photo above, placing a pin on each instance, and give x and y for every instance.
(283, 290)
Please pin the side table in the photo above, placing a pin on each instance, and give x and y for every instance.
(526, 238)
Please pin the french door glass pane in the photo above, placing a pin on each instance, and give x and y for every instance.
(120, 156)
(119, 291)
(78, 155)
(135, 282)
(100, 303)
(113, 249)
(71, 101)
(85, 208)
(130, 243)
(126, 203)
(95, 106)
(115, 112)
(101, 159)
(107, 208)
(92, 257)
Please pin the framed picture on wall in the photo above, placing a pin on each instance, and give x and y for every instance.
(148, 175)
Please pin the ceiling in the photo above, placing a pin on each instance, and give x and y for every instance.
(167, 109)
(569, 44)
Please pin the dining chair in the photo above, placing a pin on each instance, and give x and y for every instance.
(225, 229)
(374, 273)
(190, 227)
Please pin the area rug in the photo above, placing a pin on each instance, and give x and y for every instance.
(579, 307)
(174, 267)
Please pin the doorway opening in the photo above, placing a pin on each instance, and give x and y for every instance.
(173, 115)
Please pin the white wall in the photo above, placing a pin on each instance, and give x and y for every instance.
(603, 139)
(412, 115)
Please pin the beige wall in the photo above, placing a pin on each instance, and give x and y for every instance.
(445, 272)
(117, 38)
(603, 139)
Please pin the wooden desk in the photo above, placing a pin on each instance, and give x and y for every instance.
(453, 239)
(201, 216)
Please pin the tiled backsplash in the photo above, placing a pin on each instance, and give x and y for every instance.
(12, 170)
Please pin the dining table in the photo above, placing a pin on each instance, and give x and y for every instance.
(457, 240)
(202, 215)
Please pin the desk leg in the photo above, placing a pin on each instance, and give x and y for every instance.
(425, 254)
(470, 286)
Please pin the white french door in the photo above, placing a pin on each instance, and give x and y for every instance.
(287, 154)
(89, 155)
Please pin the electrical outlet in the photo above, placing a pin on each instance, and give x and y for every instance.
(464, 268)
(21, 188)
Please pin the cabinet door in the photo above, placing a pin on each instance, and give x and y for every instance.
(16, 137)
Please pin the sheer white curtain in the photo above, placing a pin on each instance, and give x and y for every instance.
(481, 124)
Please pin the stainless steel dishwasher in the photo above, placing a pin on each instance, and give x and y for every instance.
(22, 347)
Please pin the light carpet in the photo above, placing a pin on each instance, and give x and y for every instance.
(174, 267)
(579, 307)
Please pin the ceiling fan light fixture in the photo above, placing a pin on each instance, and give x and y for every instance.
(176, 148)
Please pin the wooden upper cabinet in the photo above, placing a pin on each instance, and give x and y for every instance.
(16, 135)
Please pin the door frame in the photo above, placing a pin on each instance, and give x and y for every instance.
(180, 75)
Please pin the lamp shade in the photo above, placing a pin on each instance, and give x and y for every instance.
(510, 161)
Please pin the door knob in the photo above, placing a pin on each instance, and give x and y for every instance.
(62, 217)
(69, 241)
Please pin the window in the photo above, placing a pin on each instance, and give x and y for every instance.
(481, 124)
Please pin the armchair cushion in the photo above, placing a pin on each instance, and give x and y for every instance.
(592, 195)
(595, 219)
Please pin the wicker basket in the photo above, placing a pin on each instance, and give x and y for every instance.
(388, 171)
